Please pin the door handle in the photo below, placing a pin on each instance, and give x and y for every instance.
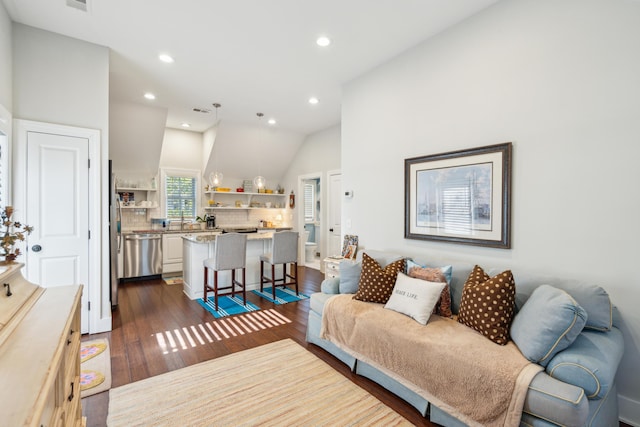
(36, 248)
(331, 230)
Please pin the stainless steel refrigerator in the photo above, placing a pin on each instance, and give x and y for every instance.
(115, 240)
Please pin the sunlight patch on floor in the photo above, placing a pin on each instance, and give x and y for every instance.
(218, 329)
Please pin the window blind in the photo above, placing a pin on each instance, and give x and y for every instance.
(309, 202)
(181, 197)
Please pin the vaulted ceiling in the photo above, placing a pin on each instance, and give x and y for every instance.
(249, 55)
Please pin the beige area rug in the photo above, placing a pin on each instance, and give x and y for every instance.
(173, 280)
(278, 384)
(95, 367)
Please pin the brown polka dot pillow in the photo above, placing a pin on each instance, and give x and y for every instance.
(376, 283)
(487, 304)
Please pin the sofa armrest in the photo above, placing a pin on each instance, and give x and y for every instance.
(555, 401)
(591, 362)
(330, 286)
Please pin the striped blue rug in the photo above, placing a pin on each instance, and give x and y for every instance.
(227, 306)
(283, 295)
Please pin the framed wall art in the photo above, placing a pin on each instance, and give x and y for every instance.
(461, 196)
(349, 240)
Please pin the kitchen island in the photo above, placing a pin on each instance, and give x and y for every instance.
(197, 248)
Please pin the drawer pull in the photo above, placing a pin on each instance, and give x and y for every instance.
(8, 286)
(70, 398)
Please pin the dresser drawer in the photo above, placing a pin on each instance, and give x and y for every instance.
(331, 274)
(331, 266)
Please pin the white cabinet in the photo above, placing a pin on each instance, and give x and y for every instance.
(172, 252)
(39, 353)
(331, 267)
(230, 199)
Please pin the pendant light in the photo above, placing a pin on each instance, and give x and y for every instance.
(215, 178)
(259, 182)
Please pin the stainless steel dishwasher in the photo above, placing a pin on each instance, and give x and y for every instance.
(142, 255)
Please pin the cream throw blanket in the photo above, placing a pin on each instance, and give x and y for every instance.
(447, 363)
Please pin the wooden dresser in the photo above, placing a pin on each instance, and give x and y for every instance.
(39, 352)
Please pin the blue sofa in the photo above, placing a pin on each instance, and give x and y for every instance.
(577, 386)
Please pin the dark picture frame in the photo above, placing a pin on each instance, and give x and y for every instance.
(460, 196)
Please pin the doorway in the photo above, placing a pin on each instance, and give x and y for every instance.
(58, 192)
(310, 217)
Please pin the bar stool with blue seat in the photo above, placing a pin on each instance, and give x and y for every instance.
(284, 250)
(230, 253)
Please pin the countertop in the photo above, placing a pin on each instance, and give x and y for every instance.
(167, 231)
(203, 230)
(206, 238)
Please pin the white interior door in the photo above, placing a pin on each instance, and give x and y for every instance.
(58, 209)
(335, 212)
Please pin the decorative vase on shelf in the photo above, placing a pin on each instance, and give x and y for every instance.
(13, 231)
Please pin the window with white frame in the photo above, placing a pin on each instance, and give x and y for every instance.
(181, 193)
(309, 202)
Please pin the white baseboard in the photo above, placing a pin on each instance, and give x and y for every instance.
(629, 411)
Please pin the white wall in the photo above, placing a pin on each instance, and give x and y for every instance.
(243, 151)
(5, 59)
(136, 133)
(560, 80)
(181, 149)
(61, 80)
(320, 152)
(58, 79)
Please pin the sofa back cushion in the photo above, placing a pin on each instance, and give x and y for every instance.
(549, 322)
(596, 303)
(592, 298)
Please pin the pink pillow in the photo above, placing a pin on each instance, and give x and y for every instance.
(443, 306)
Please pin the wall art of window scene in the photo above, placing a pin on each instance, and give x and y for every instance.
(456, 199)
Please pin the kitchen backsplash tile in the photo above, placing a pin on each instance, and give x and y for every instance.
(136, 219)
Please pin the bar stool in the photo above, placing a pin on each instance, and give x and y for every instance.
(230, 253)
(284, 250)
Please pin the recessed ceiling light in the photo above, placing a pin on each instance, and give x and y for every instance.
(185, 125)
(272, 121)
(150, 96)
(323, 41)
(165, 58)
(313, 100)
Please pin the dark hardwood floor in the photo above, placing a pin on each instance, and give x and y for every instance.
(150, 309)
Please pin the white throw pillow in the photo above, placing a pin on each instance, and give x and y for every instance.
(414, 297)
